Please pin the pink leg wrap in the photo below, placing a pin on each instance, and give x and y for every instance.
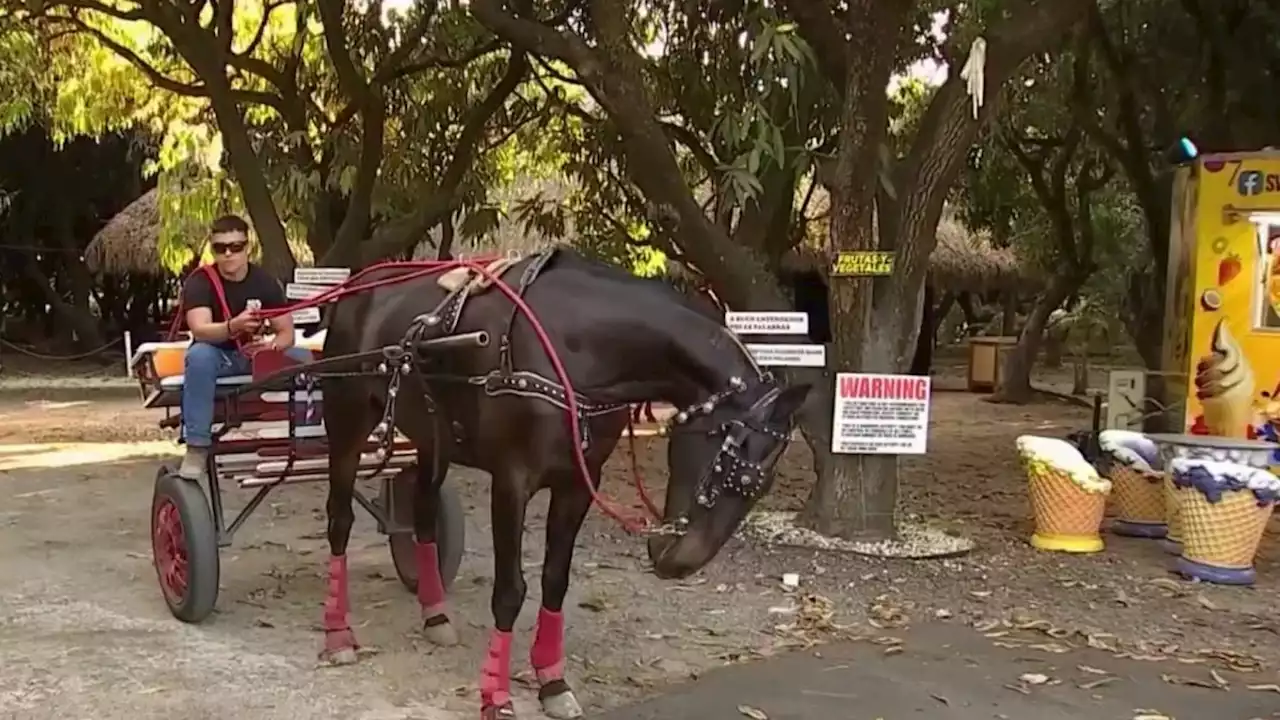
(337, 606)
(430, 587)
(547, 653)
(495, 674)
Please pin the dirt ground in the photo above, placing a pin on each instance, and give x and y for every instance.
(85, 631)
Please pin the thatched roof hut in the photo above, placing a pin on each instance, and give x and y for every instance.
(961, 262)
(129, 242)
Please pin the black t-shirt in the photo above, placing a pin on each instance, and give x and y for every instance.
(257, 284)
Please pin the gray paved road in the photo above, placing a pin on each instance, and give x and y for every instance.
(952, 673)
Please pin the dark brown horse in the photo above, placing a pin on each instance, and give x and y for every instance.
(500, 408)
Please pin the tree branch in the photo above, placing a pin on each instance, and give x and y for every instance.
(825, 35)
(401, 235)
(948, 128)
(350, 79)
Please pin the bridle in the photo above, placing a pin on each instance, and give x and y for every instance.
(729, 471)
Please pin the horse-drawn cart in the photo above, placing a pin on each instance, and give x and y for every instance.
(269, 431)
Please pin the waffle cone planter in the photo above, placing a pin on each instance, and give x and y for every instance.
(1173, 517)
(1130, 462)
(1224, 511)
(1068, 496)
(1237, 451)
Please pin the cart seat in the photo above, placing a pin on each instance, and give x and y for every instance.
(158, 367)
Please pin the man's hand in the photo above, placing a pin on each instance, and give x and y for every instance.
(246, 323)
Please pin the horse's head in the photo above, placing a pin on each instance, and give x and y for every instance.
(722, 457)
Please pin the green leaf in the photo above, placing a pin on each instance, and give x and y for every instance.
(481, 221)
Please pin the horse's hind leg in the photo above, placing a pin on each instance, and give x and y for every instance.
(348, 418)
(423, 428)
(570, 503)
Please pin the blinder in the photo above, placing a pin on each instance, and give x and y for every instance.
(729, 471)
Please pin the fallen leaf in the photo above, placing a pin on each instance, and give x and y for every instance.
(1190, 682)
(1034, 678)
(1097, 683)
(753, 713)
(1206, 603)
(1092, 670)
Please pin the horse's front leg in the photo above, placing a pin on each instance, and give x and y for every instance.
(570, 503)
(509, 499)
(348, 422)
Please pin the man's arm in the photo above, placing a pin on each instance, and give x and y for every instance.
(282, 325)
(197, 300)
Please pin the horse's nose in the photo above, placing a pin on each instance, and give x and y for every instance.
(675, 559)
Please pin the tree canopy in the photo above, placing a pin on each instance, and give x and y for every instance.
(718, 134)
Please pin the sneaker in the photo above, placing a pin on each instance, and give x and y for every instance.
(194, 463)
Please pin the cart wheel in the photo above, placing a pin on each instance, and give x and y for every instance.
(451, 532)
(184, 544)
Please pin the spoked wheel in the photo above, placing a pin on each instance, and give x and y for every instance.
(451, 531)
(184, 545)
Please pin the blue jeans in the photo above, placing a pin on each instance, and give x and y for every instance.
(204, 364)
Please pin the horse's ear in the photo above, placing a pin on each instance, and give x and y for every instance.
(789, 402)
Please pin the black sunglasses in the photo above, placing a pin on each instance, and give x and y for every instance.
(229, 248)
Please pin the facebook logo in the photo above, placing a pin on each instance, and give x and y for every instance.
(1249, 182)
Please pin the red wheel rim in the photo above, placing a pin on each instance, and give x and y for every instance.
(169, 546)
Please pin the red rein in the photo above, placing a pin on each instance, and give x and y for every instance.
(425, 268)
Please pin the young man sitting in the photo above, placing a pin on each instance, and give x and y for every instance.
(222, 345)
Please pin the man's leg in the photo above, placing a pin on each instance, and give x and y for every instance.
(204, 363)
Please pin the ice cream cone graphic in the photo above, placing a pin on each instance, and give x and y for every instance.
(1225, 386)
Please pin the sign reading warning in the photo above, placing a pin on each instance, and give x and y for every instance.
(862, 263)
(881, 414)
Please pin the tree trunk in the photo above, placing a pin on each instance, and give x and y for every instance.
(1015, 376)
(922, 362)
(1080, 378)
(971, 317)
(247, 169)
(1009, 315)
(1055, 341)
(941, 312)
(75, 319)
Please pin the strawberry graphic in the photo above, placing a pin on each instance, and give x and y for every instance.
(1228, 268)
(1199, 427)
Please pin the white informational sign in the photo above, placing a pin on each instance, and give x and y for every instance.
(783, 355)
(767, 323)
(1126, 394)
(321, 275)
(303, 291)
(880, 414)
(306, 316)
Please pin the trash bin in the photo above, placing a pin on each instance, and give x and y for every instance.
(986, 361)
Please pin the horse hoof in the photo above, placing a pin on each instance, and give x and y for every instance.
(442, 634)
(339, 656)
(506, 711)
(339, 647)
(562, 706)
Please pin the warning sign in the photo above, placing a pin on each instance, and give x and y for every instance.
(880, 414)
(862, 263)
